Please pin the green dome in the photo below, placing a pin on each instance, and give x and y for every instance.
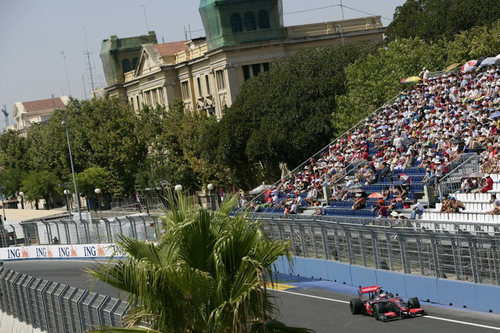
(235, 22)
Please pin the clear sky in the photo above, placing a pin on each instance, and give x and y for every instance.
(35, 33)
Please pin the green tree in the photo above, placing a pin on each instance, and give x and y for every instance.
(181, 148)
(41, 185)
(207, 273)
(436, 19)
(10, 181)
(475, 43)
(284, 115)
(102, 133)
(13, 150)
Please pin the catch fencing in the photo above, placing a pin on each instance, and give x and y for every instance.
(460, 251)
(66, 231)
(55, 307)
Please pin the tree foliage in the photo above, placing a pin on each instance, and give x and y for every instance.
(102, 134)
(437, 19)
(92, 178)
(284, 115)
(207, 273)
(39, 185)
(12, 151)
(180, 148)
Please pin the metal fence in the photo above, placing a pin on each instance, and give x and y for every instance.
(451, 182)
(65, 231)
(464, 252)
(55, 307)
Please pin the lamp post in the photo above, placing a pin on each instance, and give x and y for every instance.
(68, 207)
(210, 187)
(97, 191)
(21, 194)
(73, 171)
(3, 205)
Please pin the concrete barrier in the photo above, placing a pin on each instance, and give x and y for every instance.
(442, 291)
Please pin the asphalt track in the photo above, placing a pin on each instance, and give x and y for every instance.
(319, 309)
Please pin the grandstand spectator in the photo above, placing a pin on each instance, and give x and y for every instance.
(382, 211)
(466, 186)
(496, 205)
(312, 194)
(486, 185)
(360, 203)
(455, 205)
(417, 209)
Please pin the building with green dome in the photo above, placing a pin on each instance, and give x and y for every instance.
(235, 22)
(242, 39)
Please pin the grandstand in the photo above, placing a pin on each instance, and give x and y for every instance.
(424, 144)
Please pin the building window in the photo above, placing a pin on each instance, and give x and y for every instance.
(185, 90)
(221, 83)
(236, 22)
(250, 21)
(207, 83)
(264, 19)
(265, 66)
(126, 65)
(255, 69)
(138, 103)
(135, 62)
(200, 93)
(246, 72)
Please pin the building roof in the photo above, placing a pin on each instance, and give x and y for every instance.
(172, 48)
(44, 104)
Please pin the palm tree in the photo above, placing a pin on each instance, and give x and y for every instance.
(208, 273)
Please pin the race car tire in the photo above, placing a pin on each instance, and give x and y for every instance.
(356, 306)
(378, 309)
(413, 303)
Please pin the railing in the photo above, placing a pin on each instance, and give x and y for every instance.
(452, 181)
(405, 247)
(65, 231)
(55, 307)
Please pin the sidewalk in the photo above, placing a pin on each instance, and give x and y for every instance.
(17, 215)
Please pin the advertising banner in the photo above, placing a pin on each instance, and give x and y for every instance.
(79, 251)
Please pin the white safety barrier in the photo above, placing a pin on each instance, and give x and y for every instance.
(80, 251)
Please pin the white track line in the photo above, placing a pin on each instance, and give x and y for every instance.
(430, 317)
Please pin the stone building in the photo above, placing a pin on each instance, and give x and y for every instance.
(36, 112)
(242, 38)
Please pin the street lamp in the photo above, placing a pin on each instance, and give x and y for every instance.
(178, 187)
(73, 171)
(3, 204)
(21, 194)
(210, 187)
(66, 192)
(97, 191)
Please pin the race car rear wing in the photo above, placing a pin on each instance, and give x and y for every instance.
(366, 290)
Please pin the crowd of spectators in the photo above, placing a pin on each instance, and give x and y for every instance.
(425, 128)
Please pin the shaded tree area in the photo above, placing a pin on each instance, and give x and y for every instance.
(432, 20)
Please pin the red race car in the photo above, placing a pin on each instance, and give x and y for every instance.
(384, 306)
